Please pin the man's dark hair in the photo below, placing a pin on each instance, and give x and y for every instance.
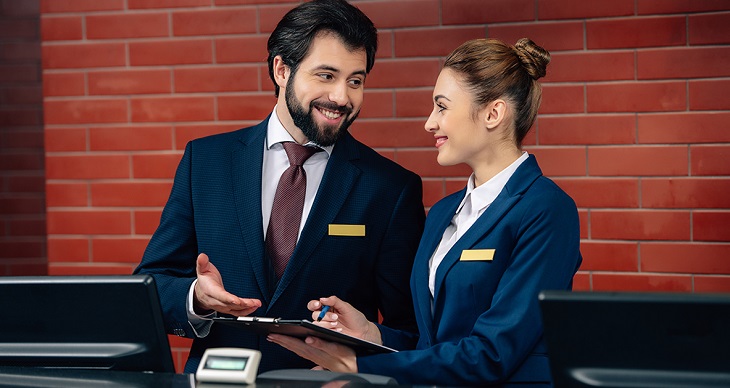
(295, 32)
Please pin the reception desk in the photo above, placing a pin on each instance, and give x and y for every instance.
(82, 378)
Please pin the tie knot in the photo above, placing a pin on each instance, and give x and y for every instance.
(298, 154)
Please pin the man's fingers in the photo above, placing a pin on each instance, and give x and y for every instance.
(219, 301)
(245, 307)
(201, 264)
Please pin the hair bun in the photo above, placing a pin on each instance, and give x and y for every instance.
(533, 57)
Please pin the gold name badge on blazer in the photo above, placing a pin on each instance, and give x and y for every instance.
(347, 230)
(477, 255)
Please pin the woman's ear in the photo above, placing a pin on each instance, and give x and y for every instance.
(496, 111)
(281, 72)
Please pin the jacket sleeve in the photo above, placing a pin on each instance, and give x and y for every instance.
(545, 256)
(397, 339)
(172, 251)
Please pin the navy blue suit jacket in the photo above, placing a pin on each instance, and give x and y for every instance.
(486, 325)
(215, 208)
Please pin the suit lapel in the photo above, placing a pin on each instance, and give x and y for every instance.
(338, 181)
(247, 162)
(520, 181)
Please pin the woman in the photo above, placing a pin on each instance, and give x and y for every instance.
(487, 250)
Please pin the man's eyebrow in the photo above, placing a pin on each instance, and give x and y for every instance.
(336, 70)
(328, 68)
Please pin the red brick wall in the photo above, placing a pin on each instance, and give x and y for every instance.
(634, 122)
(22, 184)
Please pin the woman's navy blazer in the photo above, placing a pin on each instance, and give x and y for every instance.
(486, 325)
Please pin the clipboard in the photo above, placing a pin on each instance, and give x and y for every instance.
(302, 328)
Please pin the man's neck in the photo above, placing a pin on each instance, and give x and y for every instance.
(286, 120)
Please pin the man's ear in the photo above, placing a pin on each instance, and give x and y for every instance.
(496, 111)
(281, 72)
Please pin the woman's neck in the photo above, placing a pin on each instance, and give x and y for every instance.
(494, 163)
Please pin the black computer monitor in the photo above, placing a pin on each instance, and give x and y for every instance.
(85, 322)
(615, 339)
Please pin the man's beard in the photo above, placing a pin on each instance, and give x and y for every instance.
(325, 135)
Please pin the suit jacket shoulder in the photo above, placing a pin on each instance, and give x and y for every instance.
(370, 160)
(226, 140)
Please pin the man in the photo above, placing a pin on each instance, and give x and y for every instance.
(361, 220)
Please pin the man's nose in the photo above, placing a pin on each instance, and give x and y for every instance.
(338, 94)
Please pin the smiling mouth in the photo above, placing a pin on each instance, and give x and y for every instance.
(440, 141)
(329, 114)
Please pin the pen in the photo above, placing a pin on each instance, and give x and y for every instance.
(324, 311)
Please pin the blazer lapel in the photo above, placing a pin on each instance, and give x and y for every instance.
(481, 227)
(520, 181)
(337, 182)
(247, 162)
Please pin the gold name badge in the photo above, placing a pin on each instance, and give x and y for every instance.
(347, 230)
(477, 255)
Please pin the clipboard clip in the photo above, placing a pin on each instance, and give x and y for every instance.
(259, 319)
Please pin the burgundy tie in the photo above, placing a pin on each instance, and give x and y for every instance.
(286, 213)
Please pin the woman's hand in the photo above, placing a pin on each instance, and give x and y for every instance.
(344, 318)
(328, 355)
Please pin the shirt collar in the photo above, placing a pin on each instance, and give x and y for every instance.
(484, 195)
(276, 133)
